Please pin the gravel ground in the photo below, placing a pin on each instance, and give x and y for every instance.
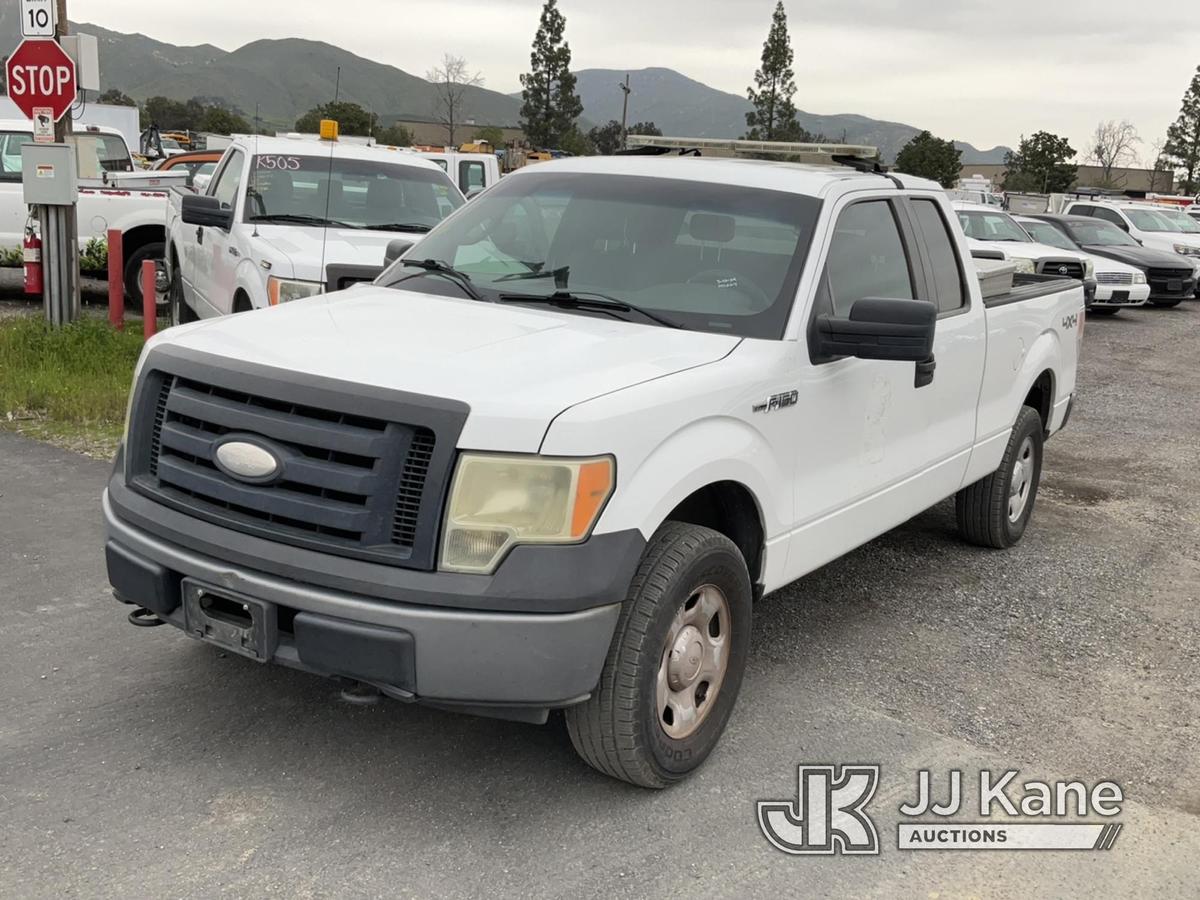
(137, 762)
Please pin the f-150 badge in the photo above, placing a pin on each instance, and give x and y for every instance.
(778, 402)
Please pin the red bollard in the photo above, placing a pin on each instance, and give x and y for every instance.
(116, 280)
(149, 298)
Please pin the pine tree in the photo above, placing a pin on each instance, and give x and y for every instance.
(930, 157)
(774, 115)
(551, 104)
(1183, 138)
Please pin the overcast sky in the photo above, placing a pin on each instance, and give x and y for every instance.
(983, 71)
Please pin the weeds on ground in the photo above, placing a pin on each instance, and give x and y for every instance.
(67, 385)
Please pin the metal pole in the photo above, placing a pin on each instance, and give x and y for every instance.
(624, 110)
(60, 246)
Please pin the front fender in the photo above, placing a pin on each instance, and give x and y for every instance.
(252, 281)
(697, 455)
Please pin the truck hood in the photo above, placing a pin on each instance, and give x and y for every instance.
(303, 247)
(1023, 250)
(516, 367)
(1142, 257)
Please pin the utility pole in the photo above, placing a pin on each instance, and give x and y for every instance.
(624, 86)
(60, 239)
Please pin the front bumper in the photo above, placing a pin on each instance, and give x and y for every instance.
(1110, 295)
(432, 642)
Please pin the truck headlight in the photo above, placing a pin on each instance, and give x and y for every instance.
(1025, 266)
(1089, 269)
(497, 502)
(1139, 277)
(1185, 250)
(285, 290)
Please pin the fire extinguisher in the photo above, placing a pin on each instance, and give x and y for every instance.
(33, 263)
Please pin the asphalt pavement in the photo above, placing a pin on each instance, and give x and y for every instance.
(138, 763)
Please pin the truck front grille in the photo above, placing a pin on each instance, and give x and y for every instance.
(359, 485)
(1064, 268)
(1114, 277)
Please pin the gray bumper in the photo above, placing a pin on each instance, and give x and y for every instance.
(472, 658)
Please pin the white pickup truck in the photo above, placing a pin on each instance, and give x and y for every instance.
(112, 195)
(287, 218)
(553, 456)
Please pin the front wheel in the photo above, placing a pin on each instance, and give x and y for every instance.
(994, 512)
(133, 273)
(676, 661)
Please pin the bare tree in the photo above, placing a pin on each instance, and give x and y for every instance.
(1162, 173)
(450, 81)
(1113, 147)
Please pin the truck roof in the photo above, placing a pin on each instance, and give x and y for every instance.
(796, 178)
(301, 146)
(26, 125)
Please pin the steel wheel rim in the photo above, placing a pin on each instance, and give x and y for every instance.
(1021, 485)
(694, 661)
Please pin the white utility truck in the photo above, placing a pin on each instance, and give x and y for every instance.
(286, 218)
(553, 455)
(112, 195)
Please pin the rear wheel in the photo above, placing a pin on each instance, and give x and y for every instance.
(133, 273)
(994, 512)
(676, 662)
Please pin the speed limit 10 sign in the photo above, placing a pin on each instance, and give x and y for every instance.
(37, 18)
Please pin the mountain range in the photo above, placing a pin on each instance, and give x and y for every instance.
(284, 78)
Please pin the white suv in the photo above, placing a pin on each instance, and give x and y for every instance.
(1152, 226)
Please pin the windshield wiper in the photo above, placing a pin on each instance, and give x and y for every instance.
(301, 219)
(438, 267)
(561, 275)
(413, 227)
(590, 300)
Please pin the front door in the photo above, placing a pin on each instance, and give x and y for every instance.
(875, 443)
(214, 266)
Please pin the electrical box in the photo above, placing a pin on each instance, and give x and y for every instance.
(48, 174)
(84, 49)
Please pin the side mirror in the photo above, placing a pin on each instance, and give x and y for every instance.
(395, 250)
(474, 192)
(199, 210)
(880, 328)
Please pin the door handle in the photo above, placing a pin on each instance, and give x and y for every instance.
(233, 251)
(200, 235)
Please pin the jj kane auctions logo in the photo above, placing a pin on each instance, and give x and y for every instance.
(829, 814)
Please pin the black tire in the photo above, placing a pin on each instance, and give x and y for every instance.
(984, 510)
(620, 729)
(133, 270)
(1166, 304)
(1104, 310)
(181, 313)
(241, 303)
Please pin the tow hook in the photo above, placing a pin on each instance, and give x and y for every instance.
(358, 693)
(144, 618)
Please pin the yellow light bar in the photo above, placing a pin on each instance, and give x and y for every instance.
(329, 130)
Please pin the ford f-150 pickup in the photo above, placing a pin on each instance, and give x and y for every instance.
(554, 454)
(286, 218)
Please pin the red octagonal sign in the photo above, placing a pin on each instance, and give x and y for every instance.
(41, 74)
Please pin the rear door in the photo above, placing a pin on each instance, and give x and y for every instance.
(877, 445)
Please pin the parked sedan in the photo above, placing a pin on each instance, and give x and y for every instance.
(1172, 279)
(1118, 285)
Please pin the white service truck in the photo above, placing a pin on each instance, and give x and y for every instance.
(554, 454)
(286, 218)
(112, 195)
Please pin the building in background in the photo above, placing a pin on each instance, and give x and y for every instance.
(1134, 181)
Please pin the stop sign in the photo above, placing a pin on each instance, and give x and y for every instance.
(40, 73)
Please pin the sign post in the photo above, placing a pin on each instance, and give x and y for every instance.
(43, 84)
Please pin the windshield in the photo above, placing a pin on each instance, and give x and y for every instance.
(1182, 221)
(1149, 220)
(991, 226)
(100, 153)
(1045, 233)
(358, 193)
(710, 257)
(1100, 234)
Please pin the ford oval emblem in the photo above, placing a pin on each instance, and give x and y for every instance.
(248, 461)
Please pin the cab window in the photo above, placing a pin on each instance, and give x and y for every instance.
(225, 187)
(471, 176)
(947, 269)
(866, 259)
